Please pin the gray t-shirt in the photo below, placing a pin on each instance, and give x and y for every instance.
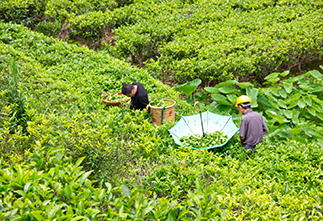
(252, 128)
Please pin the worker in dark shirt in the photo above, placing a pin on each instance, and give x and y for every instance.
(252, 127)
(138, 94)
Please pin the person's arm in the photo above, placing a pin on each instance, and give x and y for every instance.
(242, 139)
(264, 127)
(242, 131)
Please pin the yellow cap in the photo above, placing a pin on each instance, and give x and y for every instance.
(243, 99)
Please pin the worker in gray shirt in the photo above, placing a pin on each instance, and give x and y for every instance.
(252, 127)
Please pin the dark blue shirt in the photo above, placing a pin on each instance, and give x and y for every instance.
(140, 100)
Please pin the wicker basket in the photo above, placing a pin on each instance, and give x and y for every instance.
(113, 103)
(168, 113)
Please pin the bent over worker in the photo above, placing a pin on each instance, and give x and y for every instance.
(252, 127)
(138, 94)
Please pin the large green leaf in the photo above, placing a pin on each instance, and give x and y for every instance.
(212, 89)
(263, 101)
(275, 91)
(282, 93)
(308, 101)
(244, 85)
(316, 74)
(319, 115)
(310, 132)
(317, 108)
(271, 81)
(306, 87)
(317, 88)
(228, 90)
(295, 79)
(272, 76)
(288, 113)
(253, 94)
(295, 116)
(232, 98)
(228, 83)
(288, 87)
(312, 111)
(285, 73)
(314, 98)
(221, 99)
(295, 131)
(301, 103)
(281, 103)
(224, 109)
(294, 98)
(190, 87)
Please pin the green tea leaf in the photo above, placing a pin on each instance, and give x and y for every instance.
(37, 214)
(125, 190)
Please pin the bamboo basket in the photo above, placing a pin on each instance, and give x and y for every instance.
(113, 103)
(160, 114)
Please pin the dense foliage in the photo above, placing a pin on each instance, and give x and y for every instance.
(182, 40)
(65, 155)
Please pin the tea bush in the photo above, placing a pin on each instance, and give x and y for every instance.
(218, 40)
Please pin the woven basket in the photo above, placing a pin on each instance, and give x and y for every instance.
(110, 103)
(167, 112)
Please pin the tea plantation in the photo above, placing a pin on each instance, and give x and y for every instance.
(65, 155)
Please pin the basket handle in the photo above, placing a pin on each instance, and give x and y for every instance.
(162, 116)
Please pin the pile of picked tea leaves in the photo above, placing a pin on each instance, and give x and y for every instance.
(209, 140)
(161, 103)
(115, 97)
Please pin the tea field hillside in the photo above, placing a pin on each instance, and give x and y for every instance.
(181, 40)
(65, 155)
